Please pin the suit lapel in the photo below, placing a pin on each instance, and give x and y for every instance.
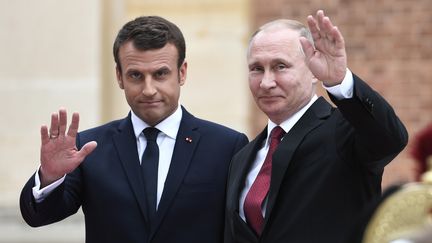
(186, 142)
(313, 117)
(240, 167)
(125, 143)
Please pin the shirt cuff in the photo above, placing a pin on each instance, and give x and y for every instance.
(344, 90)
(40, 194)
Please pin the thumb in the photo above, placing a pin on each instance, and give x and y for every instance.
(87, 149)
(307, 47)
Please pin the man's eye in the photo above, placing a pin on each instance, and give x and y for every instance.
(280, 67)
(135, 75)
(256, 69)
(161, 73)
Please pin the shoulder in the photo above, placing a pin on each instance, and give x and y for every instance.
(253, 145)
(213, 127)
(214, 134)
(100, 132)
(207, 127)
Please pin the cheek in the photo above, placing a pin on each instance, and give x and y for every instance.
(129, 97)
(253, 85)
(306, 85)
(132, 92)
(170, 91)
(175, 94)
(295, 81)
(255, 77)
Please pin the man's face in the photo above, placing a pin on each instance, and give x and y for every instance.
(151, 81)
(279, 79)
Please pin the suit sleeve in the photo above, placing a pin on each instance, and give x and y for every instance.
(62, 202)
(378, 135)
(242, 140)
(53, 208)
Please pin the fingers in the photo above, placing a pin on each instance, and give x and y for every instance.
(338, 38)
(324, 24)
(313, 27)
(73, 128)
(62, 121)
(44, 134)
(322, 28)
(54, 127)
(59, 124)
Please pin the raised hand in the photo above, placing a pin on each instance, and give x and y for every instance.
(59, 154)
(328, 60)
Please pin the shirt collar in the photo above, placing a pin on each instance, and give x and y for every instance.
(169, 126)
(291, 121)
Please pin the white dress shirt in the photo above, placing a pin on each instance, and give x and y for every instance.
(166, 140)
(341, 91)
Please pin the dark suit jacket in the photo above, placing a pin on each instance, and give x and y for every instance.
(325, 170)
(108, 186)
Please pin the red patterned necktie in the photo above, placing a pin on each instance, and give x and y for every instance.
(259, 189)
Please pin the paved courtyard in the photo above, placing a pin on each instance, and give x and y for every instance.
(13, 229)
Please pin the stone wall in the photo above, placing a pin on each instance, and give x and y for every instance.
(389, 45)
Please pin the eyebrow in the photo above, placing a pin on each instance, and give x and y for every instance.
(275, 60)
(279, 60)
(163, 68)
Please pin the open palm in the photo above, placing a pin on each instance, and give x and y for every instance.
(59, 154)
(327, 61)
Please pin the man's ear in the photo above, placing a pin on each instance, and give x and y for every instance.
(119, 77)
(183, 73)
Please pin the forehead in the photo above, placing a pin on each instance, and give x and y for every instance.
(275, 43)
(131, 57)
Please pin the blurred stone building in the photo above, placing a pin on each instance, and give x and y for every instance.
(389, 45)
(58, 53)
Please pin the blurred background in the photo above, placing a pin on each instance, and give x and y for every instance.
(59, 54)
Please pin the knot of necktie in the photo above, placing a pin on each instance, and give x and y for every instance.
(151, 133)
(277, 133)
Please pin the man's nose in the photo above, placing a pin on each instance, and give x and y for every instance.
(149, 88)
(268, 81)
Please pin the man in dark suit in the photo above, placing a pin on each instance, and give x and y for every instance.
(321, 165)
(158, 175)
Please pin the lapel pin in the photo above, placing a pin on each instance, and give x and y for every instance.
(188, 139)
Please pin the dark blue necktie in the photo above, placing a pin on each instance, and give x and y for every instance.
(149, 168)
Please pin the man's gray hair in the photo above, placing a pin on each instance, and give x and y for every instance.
(288, 24)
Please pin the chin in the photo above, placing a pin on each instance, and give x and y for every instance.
(271, 111)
